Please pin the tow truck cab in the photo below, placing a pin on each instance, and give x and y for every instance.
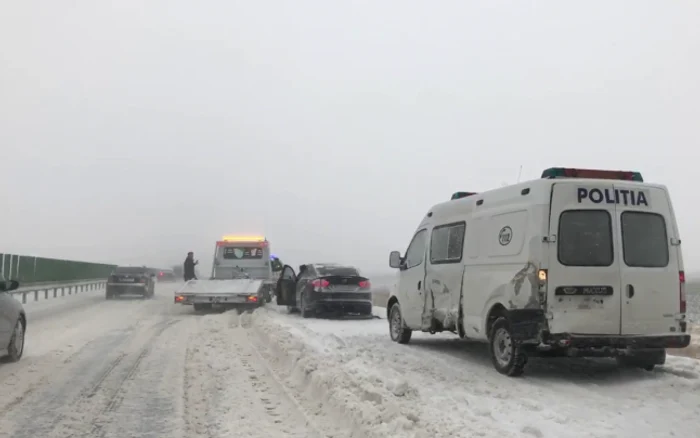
(245, 257)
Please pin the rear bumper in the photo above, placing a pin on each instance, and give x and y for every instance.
(616, 342)
(242, 300)
(126, 288)
(345, 306)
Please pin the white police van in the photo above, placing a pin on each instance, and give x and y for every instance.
(578, 263)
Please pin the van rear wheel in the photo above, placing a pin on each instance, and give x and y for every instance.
(507, 356)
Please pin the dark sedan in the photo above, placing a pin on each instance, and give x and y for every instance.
(130, 280)
(324, 288)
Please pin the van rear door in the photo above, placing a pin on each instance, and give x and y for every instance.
(650, 263)
(583, 287)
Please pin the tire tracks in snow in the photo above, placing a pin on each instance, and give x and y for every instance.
(68, 402)
(231, 391)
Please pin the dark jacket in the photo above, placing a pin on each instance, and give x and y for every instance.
(189, 269)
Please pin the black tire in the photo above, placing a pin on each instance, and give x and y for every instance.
(506, 355)
(397, 328)
(15, 349)
(305, 313)
(646, 360)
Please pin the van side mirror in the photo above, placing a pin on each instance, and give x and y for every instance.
(395, 259)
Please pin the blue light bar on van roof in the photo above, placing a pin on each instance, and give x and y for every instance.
(460, 195)
(566, 172)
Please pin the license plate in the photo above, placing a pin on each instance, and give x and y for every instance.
(127, 280)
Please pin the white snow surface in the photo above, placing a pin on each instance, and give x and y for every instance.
(152, 368)
(442, 386)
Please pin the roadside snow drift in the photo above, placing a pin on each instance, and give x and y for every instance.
(442, 386)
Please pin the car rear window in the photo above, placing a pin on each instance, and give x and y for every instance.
(644, 240)
(585, 238)
(130, 270)
(337, 270)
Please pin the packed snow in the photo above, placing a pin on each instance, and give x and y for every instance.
(442, 386)
(151, 368)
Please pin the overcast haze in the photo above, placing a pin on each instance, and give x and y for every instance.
(135, 131)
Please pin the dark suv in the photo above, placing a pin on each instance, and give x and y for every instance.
(130, 280)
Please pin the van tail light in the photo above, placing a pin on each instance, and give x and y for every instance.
(542, 285)
(320, 284)
(364, 284)
(681, 280)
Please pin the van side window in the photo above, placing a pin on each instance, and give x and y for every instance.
(585, 238)
(416, 250)
(447, 242)
(644, 239)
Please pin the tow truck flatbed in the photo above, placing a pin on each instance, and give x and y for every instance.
(235, 293)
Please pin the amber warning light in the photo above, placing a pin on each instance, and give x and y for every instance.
(233, 238)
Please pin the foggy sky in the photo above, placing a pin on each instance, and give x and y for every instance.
(133, 131)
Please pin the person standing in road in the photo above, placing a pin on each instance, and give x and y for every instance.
(190, 263)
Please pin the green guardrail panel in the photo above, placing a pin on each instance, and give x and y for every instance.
(30, 269)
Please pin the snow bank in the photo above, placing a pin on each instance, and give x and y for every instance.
(442, 386)
(368, 406)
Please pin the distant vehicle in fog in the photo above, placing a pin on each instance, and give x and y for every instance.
(131, 280)
(166, 275)
(13, 322)
(321, 288)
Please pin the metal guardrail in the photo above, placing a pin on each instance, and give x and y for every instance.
(65, 288)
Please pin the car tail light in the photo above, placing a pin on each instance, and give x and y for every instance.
(320, 284)
(681, 293)
(253, 299)
(179, 299)
(365, 284)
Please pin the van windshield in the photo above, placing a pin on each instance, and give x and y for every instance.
(585, 238)
(644, 239)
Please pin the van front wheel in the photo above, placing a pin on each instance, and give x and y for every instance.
(508, 358)
(397, 329)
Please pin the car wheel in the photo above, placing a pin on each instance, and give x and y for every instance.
(646, 360)
(397, 329)
(507, 356)
(16, 347)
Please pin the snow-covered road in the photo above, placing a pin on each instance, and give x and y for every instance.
(146, 368)
(96, 368)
